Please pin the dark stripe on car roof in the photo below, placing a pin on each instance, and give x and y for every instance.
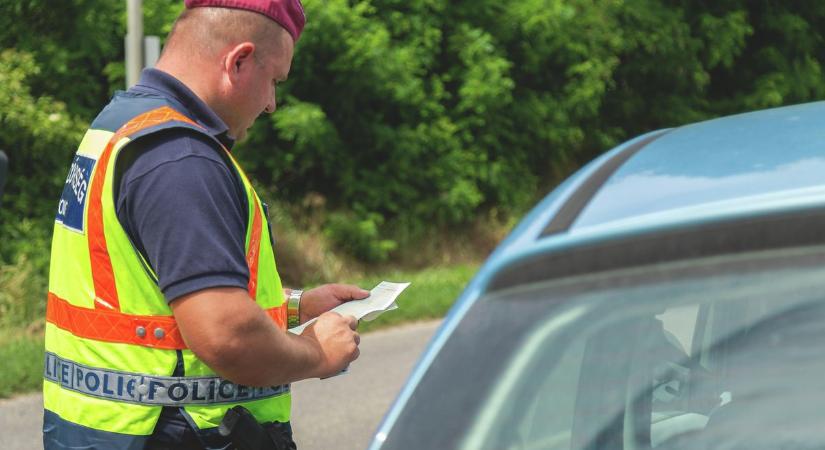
(782, 230)
(576, 203)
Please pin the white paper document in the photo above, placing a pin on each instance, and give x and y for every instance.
(381, 299)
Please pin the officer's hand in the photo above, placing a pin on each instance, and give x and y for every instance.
(319, 300)
(337, 342)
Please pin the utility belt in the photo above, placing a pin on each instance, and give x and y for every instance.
(240, 426)
(143, 389)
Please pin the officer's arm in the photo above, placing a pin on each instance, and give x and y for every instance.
(235, 337)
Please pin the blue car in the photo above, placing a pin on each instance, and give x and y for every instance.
(669, 295)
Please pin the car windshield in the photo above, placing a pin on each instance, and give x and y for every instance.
(726, 352)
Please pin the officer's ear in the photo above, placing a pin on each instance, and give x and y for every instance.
(240, 59)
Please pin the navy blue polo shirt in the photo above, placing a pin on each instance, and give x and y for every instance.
(180, 203)
(185, 210)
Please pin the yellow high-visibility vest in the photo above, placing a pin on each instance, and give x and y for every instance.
(112, 343)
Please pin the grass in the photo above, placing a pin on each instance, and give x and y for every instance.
(22, 368)
(430, 295)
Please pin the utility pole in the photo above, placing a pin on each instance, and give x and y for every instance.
(134, 41)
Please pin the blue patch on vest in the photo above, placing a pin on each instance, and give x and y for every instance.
(73, 201)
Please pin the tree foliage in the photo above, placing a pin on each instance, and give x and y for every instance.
(407, 114)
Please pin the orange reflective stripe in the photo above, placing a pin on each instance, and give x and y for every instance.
(278, 315)
(102, 274)
(254, 250)
(115, 326)
(106, 297)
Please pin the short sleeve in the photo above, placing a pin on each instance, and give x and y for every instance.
(185, 211)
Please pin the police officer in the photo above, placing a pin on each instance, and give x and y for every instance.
(165, 309)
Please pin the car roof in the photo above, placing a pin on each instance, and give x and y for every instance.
(731, 170)
(746, 164)
(742, 158)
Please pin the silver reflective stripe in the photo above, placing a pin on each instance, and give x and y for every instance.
(150, 390)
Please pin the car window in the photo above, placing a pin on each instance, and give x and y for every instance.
(708, 354)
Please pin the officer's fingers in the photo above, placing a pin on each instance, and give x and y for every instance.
(356, 354)
(330, 314)
(357, 339)
(352, 322)
(347, 292)
(357, 293)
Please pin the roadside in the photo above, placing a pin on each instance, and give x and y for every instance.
(23, 418)
(430, 296)
(340, 412)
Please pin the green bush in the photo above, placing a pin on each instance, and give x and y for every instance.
(38, 135)
(25, 373)
(427, 113)
(359, 236)
(23, 292)
(433, 112)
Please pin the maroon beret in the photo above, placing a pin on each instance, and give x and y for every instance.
(287, 13)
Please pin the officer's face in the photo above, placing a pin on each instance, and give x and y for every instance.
(255, 91)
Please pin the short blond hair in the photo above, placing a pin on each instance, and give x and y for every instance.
(207, 30)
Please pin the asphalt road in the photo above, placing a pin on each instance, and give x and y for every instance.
(338, 413)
